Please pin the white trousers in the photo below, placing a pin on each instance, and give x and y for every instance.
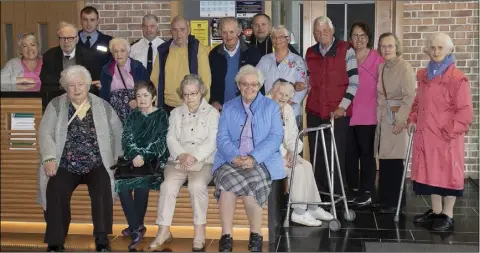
(304, 188)
(197, 187)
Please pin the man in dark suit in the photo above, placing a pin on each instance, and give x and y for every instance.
(91, 38)
(225, 61)
(68, 53)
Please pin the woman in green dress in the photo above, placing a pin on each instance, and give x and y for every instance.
(143, 141)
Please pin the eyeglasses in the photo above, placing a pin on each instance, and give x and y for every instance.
(359, 36)
(278, 38)
(246, 85)
(387, 46)
(193, 94)
(69, 39)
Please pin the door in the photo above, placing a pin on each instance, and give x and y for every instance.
(38, 17)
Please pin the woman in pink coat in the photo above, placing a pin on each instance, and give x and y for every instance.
(441, 115)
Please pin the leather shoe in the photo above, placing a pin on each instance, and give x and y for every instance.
(103, 248)
(56, 248)
(225, 244)
(255, 242)
(443, 223)
(428, 217)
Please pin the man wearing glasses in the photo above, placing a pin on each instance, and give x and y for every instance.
(67, 54)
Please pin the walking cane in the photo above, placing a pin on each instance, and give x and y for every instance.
(405, 167)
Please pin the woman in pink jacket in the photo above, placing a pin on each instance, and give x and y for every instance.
(441, 115)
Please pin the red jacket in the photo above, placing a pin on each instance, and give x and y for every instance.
(328, 79)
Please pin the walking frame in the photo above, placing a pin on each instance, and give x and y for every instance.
(349, 215)
(405, 168)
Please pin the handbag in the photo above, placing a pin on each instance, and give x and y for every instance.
(126, 170)
(393, 106)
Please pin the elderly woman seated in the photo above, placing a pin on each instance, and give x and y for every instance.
(248, 158)
(304, 188)
(80, 139)
(191, 142)
(23, 73)
(119, 76)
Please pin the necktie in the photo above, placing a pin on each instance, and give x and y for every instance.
(67, 56)
(87, 43)
(149, 58)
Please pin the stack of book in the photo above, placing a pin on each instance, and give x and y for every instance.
(22, 121)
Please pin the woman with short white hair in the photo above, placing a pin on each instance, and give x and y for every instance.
(119, 76)
(304, 188)
(283, 63)
(441, 114)
(80, 139)
(248, 158)
(23, 73)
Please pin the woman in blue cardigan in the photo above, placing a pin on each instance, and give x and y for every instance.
(119, 76)
(249, 135)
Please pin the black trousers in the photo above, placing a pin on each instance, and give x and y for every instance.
(360, 142)
(59, 193)
(340, 131)
(390, 178)
(134, 207)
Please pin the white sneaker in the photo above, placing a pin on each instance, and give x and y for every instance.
(306, 219)
(321, 214)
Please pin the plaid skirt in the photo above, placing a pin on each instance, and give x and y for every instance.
(254, 182)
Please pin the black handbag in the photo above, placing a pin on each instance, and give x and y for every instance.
(126, 170)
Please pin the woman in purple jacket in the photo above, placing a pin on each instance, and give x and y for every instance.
(250, 133)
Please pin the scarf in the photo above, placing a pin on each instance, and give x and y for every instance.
(435, 69)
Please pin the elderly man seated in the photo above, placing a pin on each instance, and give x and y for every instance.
(80, 139)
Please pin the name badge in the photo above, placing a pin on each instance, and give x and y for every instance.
(102, 48)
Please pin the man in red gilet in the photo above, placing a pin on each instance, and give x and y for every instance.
(333, 81)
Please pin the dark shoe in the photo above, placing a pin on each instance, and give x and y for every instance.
(128, 231)
(428, 217)
(443, 223)
(137, 237)
(389, 209)
(352, 195)
(225, 244)
(56, 248)
(255, 242)
(103, 248)
(363, 200)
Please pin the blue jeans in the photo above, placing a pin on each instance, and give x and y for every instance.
(134, 206)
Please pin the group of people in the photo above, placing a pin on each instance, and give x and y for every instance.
(231, 115)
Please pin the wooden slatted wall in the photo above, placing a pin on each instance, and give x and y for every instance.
(19, 183)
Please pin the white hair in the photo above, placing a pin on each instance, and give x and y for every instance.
(280, 83)
(250, 70)
(119, 40)
(323, 20)
(280, 28)
(226, 20)
(150, 17)
(64, 24)
(444, 37)
(68, 73)
(25, 37)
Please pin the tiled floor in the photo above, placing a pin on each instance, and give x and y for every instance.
(368, 226)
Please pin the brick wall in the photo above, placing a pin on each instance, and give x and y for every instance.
(124, 18)
(460, 20)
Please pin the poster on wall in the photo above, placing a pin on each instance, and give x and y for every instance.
(245, 10)
(216, 38)
(199, 29)
(214, 9)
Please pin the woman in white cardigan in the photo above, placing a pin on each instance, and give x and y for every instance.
(304, 187)
(191, 140)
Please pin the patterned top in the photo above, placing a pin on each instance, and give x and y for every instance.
(81, 153)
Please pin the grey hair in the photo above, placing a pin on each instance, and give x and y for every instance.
(27, 37)
(179, 18)
(150, 16)
(277, 84)
(64, 24)
(225, 20)
(68, 73)
(192, 79)
(446, 39)
(323, 20)
(280, 28)
(250, 70)
(118, 40)
(398, 44)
